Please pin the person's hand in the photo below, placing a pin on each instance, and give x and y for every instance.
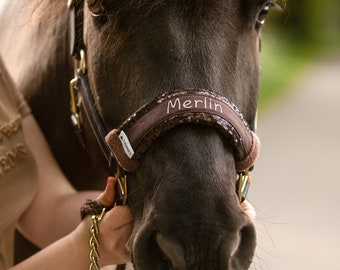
(114, 230)
(248, 209)
(116, 227)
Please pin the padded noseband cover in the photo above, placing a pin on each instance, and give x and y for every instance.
(189, 106)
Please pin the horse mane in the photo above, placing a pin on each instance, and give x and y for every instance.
(143, 7)
(47, 10)
(146, 7)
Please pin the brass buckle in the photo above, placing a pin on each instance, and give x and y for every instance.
(75, 103)
(70, 4)
(244, 180)
(121, 187)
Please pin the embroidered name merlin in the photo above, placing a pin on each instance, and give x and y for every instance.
(187, 103)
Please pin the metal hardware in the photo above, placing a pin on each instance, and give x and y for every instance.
(122, 186)
(244, 180)
(75, 103)
(80, 65)
(82, 62)
(70, 4)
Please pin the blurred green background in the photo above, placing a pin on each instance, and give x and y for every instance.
(292, 39)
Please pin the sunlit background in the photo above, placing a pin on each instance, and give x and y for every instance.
(296, 184)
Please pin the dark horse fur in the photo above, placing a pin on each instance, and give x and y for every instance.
(187, 215)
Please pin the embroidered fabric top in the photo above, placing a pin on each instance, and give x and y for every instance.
(18, 180)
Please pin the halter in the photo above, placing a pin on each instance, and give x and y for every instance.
(124, 146)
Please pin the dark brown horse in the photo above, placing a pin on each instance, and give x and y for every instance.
(187, 214)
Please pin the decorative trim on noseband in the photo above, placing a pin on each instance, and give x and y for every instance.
(186, 106)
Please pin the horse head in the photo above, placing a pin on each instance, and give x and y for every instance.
(187, 213)
(184, 191)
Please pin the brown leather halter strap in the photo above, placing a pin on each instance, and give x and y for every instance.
(127, 144)
(184, 106)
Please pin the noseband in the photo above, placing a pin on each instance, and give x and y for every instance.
(126, 144)
(183, 106)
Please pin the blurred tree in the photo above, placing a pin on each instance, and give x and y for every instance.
(292, 39)
(307, 20)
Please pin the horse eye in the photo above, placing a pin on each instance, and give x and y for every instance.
(264, 13)
(96, 7)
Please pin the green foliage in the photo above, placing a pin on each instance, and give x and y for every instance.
(291, 40)
(309, 20)
(282, 61)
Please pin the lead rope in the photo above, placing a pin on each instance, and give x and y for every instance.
(93, 242)
(77, 49)
(94, 229)
(75, 105)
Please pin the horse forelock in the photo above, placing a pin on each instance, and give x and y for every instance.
(200, 50)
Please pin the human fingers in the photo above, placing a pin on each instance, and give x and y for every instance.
(248, 209)
(107, 197)
(115, 230)
(119, 216)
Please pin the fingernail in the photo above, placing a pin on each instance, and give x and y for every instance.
(110, 180)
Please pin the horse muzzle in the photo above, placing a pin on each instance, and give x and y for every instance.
(207, 247)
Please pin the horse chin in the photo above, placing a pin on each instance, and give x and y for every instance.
(207, 248)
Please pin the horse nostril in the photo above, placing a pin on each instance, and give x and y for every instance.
(243, 255)
(172, 250)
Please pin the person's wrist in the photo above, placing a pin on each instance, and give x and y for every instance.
(80, 237)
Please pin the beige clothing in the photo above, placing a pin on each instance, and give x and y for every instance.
(18, 179)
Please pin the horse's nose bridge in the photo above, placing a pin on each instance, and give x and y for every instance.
(201, 203)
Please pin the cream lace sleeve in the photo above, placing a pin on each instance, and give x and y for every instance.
(9, 92)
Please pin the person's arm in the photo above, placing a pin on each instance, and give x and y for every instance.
(67, 253)
(55, 209)
(72, 251)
